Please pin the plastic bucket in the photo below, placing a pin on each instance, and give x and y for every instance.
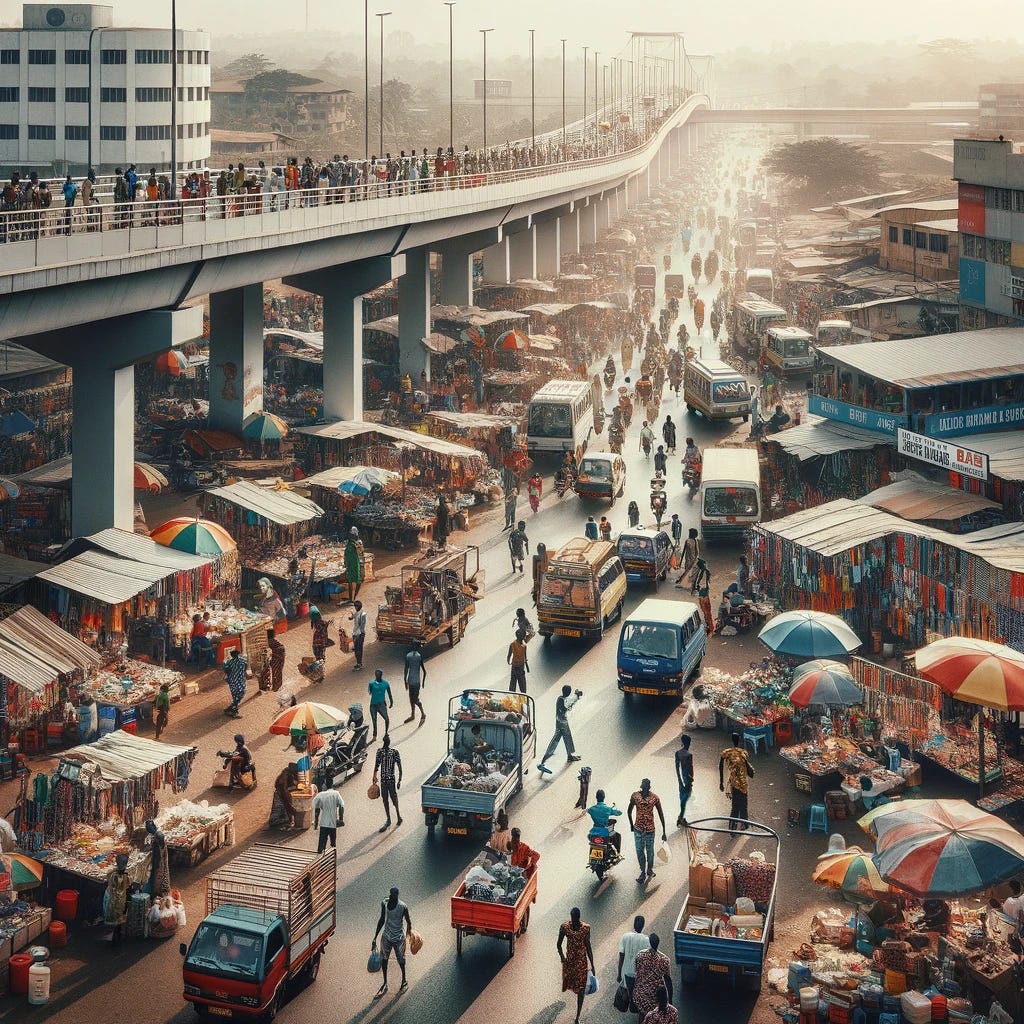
(58, 934)
(67, 904)
(38, 985)
(20, 964)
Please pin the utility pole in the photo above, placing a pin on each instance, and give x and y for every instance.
(366, 79)
(563, 99)
(533, 101)
(174, 99)
(450, 4)
(586, 70)
(484, 32)
(382, 15)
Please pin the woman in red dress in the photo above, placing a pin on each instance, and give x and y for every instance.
(576, 958)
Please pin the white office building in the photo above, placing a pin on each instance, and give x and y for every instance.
(77, 92)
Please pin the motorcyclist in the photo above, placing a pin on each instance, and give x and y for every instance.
(241, 761)
(778, 419)
(603, 817)
(691, 456)
(616, 435)
(646, 438)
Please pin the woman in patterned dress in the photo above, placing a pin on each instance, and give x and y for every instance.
(576, 958)
(664, 1012)
(653, 971)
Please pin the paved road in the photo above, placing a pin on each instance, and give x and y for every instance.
(623, 742)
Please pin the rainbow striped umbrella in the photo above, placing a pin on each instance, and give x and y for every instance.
(264, 426)
(196, 536)
(171, 362)
(824, 682)
(945, 848)
(309, 715)
(853, 873)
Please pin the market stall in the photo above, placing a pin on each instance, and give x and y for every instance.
(828, 763)
(124, 692)
(755, 699)
(340, 490)
(23, 924)
(491, 435)
(194, 830)
(39, 664)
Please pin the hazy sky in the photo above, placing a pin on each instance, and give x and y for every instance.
(714, 25)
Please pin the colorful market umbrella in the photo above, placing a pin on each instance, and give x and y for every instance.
(14, 423)
(196, 536)
(8, 489)
(512, 341)
(474, 336)
(25, 872)
(365, 479)
(807, 634)
(309, 715)
(853, 873)
(264, 426)
(149, 478)
(977, 672)
(824, 682)
(171, 362)
(950, 848)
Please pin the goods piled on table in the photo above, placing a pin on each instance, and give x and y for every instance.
(755, 697)
(129, 683)
(492, 880)
(91, 851)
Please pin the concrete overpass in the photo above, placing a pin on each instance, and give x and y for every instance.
(101, 300)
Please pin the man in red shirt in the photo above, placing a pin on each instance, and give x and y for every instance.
(520, 855)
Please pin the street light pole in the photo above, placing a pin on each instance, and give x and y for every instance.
(174, 99)
(563, 99)
(484, 32)
(366, 79)
(382, 15)
(533, 101)
(586, 69)
(595, 97)
(450, 4)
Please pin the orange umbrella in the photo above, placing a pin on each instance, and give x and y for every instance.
(171, 362)
(149, 478)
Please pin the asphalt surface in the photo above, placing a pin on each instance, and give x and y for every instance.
(622, 740)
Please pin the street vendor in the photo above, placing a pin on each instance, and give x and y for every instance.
(353, 563)
(270, 602)
(282, 810)
(520, 855)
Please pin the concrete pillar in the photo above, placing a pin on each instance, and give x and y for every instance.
(343, 289)
(548, 248)
(496, 263)
(522, 255)
(643, 184)
(569, 232)
(414, 314)
(236, 357)
(588, 222)
(602, 215)
(456, 287)
(633, 190)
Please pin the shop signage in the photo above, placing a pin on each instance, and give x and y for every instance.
(971, 219)
(855, 415)
(944, 454)
(975, 421)
(972, 280)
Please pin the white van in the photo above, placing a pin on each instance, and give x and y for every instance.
(561, 418)
(730, 492)
(789, 350)
(714, 388)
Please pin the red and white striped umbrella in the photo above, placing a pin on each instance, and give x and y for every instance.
(975, 671)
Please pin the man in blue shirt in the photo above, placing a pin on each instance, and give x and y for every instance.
(380, 698)
(603, 816)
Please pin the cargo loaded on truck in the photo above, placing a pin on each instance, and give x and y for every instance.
(269, 914)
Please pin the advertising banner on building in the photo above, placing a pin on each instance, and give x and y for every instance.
(972, 281)
(972, 209)
(944, 454)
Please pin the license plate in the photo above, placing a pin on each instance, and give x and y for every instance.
(566, 632)
(454, 830)
(718, 968)
(647, 690)
(219, 1011)
(597, 854)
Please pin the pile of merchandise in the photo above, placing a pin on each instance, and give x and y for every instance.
(482, 775)
(130, 683)
(92, 851)
(729, 900)
(756, 697)
(492, 880)
(836, 754)
(20, 923)
(186, 823)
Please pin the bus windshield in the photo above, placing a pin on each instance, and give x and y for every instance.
(796, 347)
(550, 420)
(639, 546)
(221, 949)
(650, 640)
(730, 501)
(731, 391)
(596, 469)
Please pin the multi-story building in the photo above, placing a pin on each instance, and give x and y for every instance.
(990, 176)
(77, 92)
(920, 238)
(316, 105)
(1001, 108)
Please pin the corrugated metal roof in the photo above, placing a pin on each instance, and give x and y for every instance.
(16, 570)
(937, 205)
(105, 577)
(936, 359)
(341, 430)
(922, 499)
(123, 757)
(34, 651)
(282, 507)
(948, 224)
(817, 437)
(49, 474)
(18, 361)
(142, 549)
(1005, 451)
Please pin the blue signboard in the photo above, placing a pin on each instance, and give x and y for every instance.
(974, 421)
(972, 281)
(855, 415)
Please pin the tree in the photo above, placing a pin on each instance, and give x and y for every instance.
(946, 50)
(825, 168)
(272, 86)
(249, 65)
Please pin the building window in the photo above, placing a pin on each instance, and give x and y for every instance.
(938, 243)
(41, 94)
(191, 56)
(113, 56)
(45, 132)
(76, 94)
(999, 251)
(181, 56)
(10, 57)
(152, 56)
(42, 56)
(10, 94)
(8, 131)
(192, 131)
(76, 132)
(206, 96)
(113, 95)
(920, 240)
(112, 133)
(908, 236)
(152, 132)
(191, 93)
(894, 234)
(153, 95)
(76, 56)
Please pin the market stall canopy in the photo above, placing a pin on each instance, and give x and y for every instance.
(9, 490)
(336, 477)
(545, 342)
(366, 478)
(809, 634)
(172, 362)
(50, 474)
(853, 873)
(309, 715)
(820, 438)
(548, 308)
(15, 571)
(974, 671)
(14, 423)
(1004, 450)
(623, 235)
(25, 872)
(473, 420)
(197, 536)
(342, 430)
(34, 651)
(824, 682)
(285, 508)
(922, 499)
(124, 757)
(512, 341)
(212, 442)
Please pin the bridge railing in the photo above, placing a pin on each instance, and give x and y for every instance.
(35, 238)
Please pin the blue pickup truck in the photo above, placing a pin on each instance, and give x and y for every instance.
(712, 935)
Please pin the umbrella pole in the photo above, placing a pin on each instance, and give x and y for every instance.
(981, 753)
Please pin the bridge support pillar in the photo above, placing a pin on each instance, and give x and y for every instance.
(342, 289)
(548, 248)
(569, 233)
(522, 255)
(236, 357)
(496, 263)
(456, 287)
(588, 222)
(604, 214)
(414, 314)
(633, 190)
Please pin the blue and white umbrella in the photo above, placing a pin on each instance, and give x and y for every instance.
(809, 634)
(365, 479)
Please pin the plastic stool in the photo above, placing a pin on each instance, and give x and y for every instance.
(817, 820)
(756, 736)
(784, 732)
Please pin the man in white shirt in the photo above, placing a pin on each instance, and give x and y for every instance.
(358, 619)
(328, 814)
(629, 945)
(1013, 905)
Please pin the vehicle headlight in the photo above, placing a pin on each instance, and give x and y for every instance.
(191, 990)
(250, 1000)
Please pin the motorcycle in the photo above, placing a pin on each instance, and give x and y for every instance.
(659, 500)
(602, 856)
(346, 752)
(626, 408)
(615, 439)
(609, 379)
(563, 482)
(691, 479)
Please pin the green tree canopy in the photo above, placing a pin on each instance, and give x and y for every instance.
(825, 168)
(272, 86)
(249, 65)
